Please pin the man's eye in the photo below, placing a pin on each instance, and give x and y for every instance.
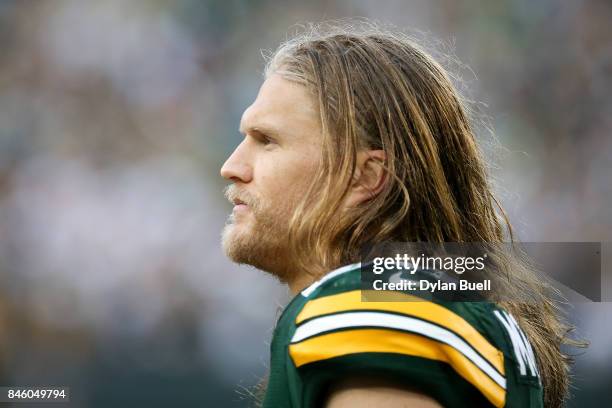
(261, 139)
(264, 140)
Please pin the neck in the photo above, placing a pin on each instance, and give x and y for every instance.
(301, 282)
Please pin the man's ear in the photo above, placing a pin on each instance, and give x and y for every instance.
(369, 179)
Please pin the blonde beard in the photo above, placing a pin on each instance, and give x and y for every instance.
(262, 245)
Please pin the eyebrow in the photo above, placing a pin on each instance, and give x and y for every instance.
(263, 129)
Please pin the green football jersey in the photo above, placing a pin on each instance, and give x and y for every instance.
(463, 354)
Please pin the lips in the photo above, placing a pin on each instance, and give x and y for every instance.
(239, 206)
(237, 198)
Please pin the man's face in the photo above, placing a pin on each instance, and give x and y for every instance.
(270, 172)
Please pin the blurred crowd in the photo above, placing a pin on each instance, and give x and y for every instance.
(115, 117)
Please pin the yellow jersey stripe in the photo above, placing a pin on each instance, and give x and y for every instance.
(413, 306)
(409, 324)
(347, 342)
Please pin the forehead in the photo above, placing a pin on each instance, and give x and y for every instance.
(282, 106)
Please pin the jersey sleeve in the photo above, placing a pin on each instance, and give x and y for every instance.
(416, 343)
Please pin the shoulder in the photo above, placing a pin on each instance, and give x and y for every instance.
(467, 346)
(339, 297)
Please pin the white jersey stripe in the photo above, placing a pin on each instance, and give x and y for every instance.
(325, 324)
(306, 292)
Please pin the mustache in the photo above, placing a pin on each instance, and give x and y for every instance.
(232, 194)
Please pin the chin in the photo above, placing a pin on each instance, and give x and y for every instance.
(242, 248)
(237, 244)
(229, 240)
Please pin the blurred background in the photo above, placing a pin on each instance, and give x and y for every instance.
(116, 116)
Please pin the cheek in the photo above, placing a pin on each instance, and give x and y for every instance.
(286, 180)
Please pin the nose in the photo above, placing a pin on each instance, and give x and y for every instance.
(237, 168)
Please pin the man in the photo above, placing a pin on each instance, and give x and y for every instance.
(358, 138)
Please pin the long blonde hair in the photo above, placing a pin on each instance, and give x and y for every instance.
(377, 89)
